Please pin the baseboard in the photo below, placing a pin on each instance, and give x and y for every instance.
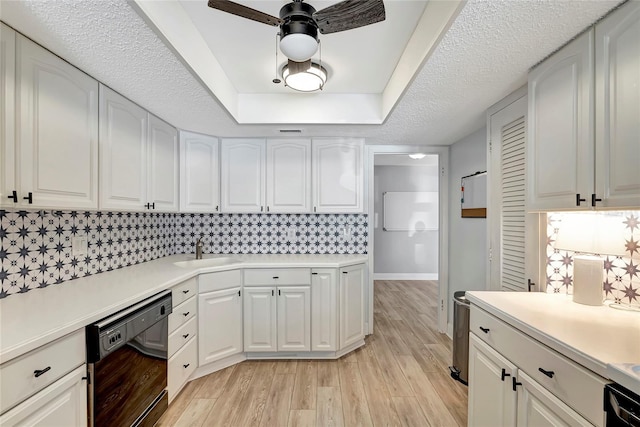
(450, 330)
(405, 276)
(217, 365)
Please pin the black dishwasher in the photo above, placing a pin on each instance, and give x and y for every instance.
(622, 406)
(127, 365)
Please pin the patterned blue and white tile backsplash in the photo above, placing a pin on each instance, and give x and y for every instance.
(36, 246)
(621, 274)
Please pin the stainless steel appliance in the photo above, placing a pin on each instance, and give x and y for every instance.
(622, 406)
(460, 368)
(127, 365)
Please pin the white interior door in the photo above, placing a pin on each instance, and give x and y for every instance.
(514, 233)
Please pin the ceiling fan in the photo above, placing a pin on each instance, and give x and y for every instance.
(300, 22)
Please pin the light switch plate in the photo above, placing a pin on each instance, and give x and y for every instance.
(79, 245)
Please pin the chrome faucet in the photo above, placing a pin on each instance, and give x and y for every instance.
(199, 248)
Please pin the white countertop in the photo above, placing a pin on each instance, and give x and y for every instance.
(32, 319)
(596, 337)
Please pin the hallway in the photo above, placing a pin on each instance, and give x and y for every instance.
(399, 378)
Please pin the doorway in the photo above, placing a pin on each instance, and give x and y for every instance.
(423, 242)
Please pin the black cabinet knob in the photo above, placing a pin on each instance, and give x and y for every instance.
(14, 196)
(504, 374)
(485, 330)
(185, 292)
(550, 374)
(185, 314)
(29, 198)
(514, 383)
(578, 199)
(594, 200)
(185, 336)
(186, 366)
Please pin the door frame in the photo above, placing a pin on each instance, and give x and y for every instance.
(443, 230)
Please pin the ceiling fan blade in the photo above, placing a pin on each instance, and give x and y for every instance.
(349, 14)
(298, 67)
(244, 12)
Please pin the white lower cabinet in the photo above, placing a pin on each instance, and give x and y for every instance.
(182, 341)
(63, 403)
(494, 403)
(352, 283)
(537, 407)
(277, 318)
(516, 380)
(219, 324)
(324, 309)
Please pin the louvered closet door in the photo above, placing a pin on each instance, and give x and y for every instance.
(513, 232)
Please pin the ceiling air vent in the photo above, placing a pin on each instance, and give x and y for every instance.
(290, 130)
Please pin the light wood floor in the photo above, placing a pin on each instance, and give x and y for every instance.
(399, 378)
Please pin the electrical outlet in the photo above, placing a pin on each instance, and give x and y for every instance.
(291, 235)
(79, 246)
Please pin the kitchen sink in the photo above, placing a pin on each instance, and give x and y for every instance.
(207, 262)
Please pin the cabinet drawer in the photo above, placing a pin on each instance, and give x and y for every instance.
(18, 377)
(184, 291)
(182, 313)
(576, 386)
(219, 281)
(181, 366)
(182, 335)
(277, 277)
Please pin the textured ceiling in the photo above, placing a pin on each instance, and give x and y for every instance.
(483, 57)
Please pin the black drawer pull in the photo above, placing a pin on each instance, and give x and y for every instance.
(39, 372)
(485, 330)
(345, 272)
(185, 292)
(185, 314)
(515, 383)
(186, 366)
(504, 374)
(547, 373)
(314, 273)
(276, 277)
(185, 336)
(29, 197)
(14, 196)
(578, 199)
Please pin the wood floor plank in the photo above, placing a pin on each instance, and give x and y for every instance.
(396, 382)
(411, 414)
(286, 366)
(306, 383)
(276, 409)
(328, 375)
(381, 407)
(226, 406)
(253, 402)
(180, 403)
(213, 384)
(195, 413)
(329, 407)
(354, 401)
(302, 418)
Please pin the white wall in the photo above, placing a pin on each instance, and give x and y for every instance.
(467, 236)
(404, 254)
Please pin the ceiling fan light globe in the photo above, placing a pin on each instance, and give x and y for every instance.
(298, 47)
(306, 81)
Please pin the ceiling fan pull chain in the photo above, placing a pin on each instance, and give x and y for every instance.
(320, 51)
(277, 80)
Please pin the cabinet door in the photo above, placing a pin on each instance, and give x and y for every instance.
(7, 115)
(163, 166)
(618, 108)
(199, 173)
(560, 147)
(260, 319)
(57, 123)
(324, 309)
(242, 169)
(538, 407)
(63, 403)
(123, 152)
(338, 175)
(294, 318)
(492, 401)
(219, 325)
(289, 175)
(352, 282)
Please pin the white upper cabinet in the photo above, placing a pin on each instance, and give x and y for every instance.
(242, 171)
(288, 175)
(163, 166)
(338, 172)
(199, 173)
(572, 163)
(123, 152)
(560, 149)
(53, 160)
(138, 157)
(618, 108)
(7, 114)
